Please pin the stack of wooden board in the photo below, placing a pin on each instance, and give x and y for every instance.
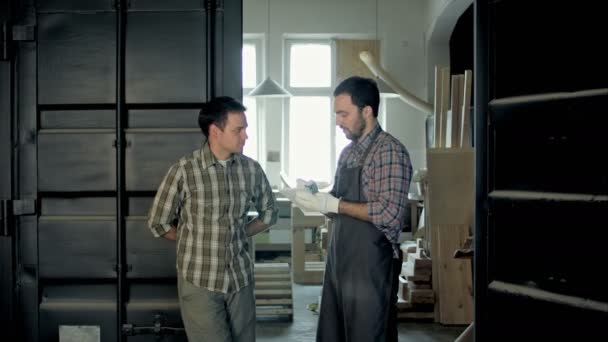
(416, 298)
(273, 292)
(449, 199)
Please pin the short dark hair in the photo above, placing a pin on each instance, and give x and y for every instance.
(363, 92)
(216, 112)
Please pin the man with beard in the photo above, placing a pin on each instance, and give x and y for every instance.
(368, 205)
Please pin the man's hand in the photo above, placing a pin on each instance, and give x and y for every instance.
(171, 234)
(320, 201)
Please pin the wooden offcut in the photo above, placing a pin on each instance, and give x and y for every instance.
(273, 291)
(465, 122)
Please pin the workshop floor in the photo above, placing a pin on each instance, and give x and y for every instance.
(304, 325)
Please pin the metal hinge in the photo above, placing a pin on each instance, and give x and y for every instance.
(17, 33)
(119, 4)
(213, 5)
(157, 329)
(24, 207)
(4, 218)
(4, 40)
(119, 268)
(127, 143)
(24, 33)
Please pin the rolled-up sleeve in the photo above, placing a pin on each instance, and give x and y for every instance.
(265, 204)
(389, 184)
(166, 202)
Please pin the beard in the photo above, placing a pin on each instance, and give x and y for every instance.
(357, 130)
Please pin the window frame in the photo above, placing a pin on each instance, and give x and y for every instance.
(308, 91)
(257, 40)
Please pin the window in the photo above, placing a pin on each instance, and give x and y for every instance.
(311, 143)
(252, 71)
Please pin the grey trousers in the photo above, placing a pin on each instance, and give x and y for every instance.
(215, 316)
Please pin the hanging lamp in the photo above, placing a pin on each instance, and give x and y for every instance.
(269, 87)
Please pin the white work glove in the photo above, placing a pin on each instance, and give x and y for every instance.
(320, 201)
(290, 193)
(301, 184)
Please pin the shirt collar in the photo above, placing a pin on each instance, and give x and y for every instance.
(208, 159)
(361, 146)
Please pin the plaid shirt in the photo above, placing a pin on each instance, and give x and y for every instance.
(385, 177)
(210, 204)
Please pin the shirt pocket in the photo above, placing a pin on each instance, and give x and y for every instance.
(199, 205)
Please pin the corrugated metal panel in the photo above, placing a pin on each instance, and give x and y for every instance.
(79, 171)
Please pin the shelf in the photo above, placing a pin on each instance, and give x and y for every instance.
(546, 196)
(547, 296)
(549, 97)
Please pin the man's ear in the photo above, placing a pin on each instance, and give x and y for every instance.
(367, 112)
(213, 130)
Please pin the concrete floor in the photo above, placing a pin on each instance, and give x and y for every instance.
(304, 325)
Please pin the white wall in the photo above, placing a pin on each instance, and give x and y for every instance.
(403, 56)
(441, 18)
(404, 30)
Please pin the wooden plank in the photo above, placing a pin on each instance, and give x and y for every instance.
(425, 285)
(403, 305)
(301, 219)
(311, 278)
(273, 292)
(451, 186)
(437, 108)
(420, 296)
(263, 285)
(265, 268)
(421, 266)
(304, 272)
(272, 276)
(445, 101)
(465, 122)
(314, 266)
(268, 294)
(449, 201)
(262, 311)
(453, 119)
(418, 278)
(274, 302)
(271, 266)
(407, 247)
(455, 290)
(407, 270)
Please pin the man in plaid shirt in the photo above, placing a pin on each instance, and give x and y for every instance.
(368, 204)
(203, 204)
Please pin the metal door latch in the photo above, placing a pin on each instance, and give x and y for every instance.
(157, 329)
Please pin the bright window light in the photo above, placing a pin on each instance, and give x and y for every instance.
(251, 145)
(309, 138)
(341, 142)
(249, 66)
(310, 65)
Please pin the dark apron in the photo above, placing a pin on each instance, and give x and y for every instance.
(361, 276)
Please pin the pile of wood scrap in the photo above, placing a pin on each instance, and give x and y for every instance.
(416, 298)
(273, 292)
